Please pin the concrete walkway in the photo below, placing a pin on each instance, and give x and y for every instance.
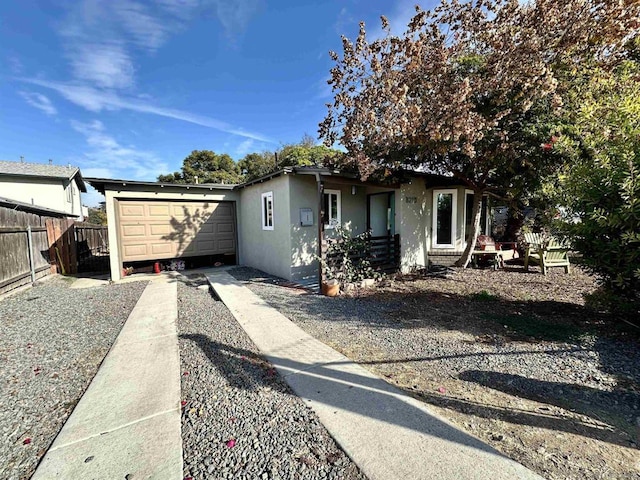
(127, 424)
(388, 434)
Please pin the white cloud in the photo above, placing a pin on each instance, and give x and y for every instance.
(245, 147)
(96, 100)
(107, 156)
(235, 15)
(97, 172)
(102, 38)
(103, 65)
(344, 22)
(15, 65)
(39, 101)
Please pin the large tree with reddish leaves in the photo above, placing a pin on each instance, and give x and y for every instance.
(466, 89)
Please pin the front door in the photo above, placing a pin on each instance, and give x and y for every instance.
(380, 210)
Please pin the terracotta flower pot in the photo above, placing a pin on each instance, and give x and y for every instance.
(330, 288)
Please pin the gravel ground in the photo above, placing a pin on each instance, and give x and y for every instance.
(239, 419)
(513, 358)
(53, 341)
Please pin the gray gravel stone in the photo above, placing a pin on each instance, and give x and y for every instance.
(233, 394)
(53, 341)
(588, 369)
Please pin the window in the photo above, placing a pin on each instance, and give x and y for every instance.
(267, 211)
(331, 208)
(468, 213)
(69, 192)
(444, 216)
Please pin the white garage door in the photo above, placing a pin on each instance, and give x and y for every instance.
(153, 230)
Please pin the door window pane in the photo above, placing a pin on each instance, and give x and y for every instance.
(444, 234)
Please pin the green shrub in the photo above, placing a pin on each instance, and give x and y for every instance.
(347, 258)
(601, 185)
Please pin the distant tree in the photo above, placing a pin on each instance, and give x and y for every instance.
(256, 165)
(453, 93)
(303, 153)
(97, 216)
(205, 166)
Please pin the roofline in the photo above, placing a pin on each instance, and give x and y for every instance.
(327, 172)
(76, 175)
(100, 183)
(22, 206)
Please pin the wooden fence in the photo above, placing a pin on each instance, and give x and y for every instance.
(383, 254)
(92, 247)
(34, 244)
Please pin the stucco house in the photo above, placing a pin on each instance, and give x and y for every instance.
(274, 223)
(44, 185)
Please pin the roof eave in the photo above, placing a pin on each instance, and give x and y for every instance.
(100, 184)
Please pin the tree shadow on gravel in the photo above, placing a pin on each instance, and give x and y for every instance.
(567, 328)
(606, 407)
(243, 369)
(363, 395)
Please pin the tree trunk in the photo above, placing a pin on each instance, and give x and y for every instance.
(464, 260)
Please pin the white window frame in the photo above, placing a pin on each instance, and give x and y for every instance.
(69, 192)
(332, 222)
(434, 217)
(267, 197)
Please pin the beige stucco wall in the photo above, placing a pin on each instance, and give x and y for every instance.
(413, 216)
(267, 250)
(43, 192)
(157, 193)
(304, 240)
(354, 207)
(416, 225)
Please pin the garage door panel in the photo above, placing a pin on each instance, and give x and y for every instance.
(161, 248)
(156, 230)
(206, 229)
(133, 231)
(158, 210)
(226, 245)
(206, 248)
(151, 230)
(132, 210)
(134, 250)
(224, 227)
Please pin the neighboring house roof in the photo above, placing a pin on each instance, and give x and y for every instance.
(42, 170)
(27, 207)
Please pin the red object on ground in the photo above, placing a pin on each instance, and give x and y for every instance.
(183, 403)
(442, 390)
(231, 443)
(156, 267)
(26, 441)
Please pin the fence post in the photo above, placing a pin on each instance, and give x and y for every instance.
(30, 246)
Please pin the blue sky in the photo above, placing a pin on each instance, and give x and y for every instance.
(127, 89)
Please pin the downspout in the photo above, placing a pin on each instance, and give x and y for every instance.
(320, 185)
